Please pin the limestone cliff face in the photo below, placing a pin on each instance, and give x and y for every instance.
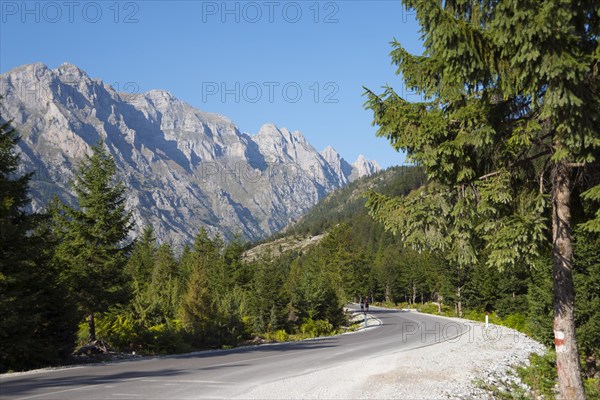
(184, 168)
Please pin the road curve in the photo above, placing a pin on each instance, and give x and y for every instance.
(230, 373)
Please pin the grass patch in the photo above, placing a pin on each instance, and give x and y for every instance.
(540, 375)
(513, 393)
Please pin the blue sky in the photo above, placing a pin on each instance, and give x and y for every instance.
(299, 64)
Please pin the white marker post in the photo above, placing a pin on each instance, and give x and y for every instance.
(366, 317)
(486, 319)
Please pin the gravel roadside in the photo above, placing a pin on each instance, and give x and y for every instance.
(447, 370)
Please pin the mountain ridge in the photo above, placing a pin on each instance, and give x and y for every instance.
(184, 168)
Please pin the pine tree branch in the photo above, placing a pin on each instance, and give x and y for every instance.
(487, 176)
(514, 164)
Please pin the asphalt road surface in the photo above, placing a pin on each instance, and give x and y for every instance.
(224, 374)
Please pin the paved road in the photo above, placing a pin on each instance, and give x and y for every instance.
(223, 374)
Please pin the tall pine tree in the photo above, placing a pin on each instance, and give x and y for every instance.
(16, 301)
(94, 236)
(196, 308)
(36, 318)
(141, 261)
(508, 127)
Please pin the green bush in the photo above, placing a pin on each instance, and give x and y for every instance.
(432, 308)
(387, 304)
(83, 334)
(516, 321)
(474, 315)
(479, 316)
(281, 335)
(121, 333)
(428, 308)
(315, 328)
(166, 338)
(592, 388)
(118, 330)
(540, 375)
(277, 336)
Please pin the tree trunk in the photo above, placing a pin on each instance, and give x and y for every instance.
(414, 293)
(565, 341)
(459, 302)
(92, 326)
(388, 292)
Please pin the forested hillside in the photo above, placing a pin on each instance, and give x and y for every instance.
(348, 204)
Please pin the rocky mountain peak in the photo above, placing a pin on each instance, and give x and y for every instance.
(159, 95)
(34, 68)
(342, 169)
(330, 154)
(68, 69)
(270, 130)
(281, 145)
(183, 168)
(363, 167)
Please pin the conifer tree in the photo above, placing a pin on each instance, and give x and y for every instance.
(94, 236)
(186, 266)
(312, 293)
(36, 318)
(587, 280)
(508, 126)
(268, 297)
(164, 286)
(239, 272)
(141, 260)
(17, 322)
(196, 308)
